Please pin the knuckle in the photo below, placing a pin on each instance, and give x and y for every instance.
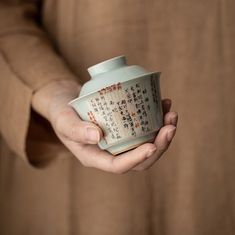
(76, 133)
(60, 118)
(162, 148)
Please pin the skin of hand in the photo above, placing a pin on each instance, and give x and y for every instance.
(81, 137)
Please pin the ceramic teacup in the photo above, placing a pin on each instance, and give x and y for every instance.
(124, 101)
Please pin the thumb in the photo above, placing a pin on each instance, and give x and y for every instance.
(72, 127)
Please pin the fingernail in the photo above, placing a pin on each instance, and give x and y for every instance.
(170, 134)
(151, 151)
(92, 135)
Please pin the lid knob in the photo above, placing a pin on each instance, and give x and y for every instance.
(107, 65)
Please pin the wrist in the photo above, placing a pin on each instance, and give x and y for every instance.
(54, 96)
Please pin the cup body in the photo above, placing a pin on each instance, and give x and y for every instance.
(129, 113)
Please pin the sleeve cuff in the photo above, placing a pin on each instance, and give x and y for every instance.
(18, 122)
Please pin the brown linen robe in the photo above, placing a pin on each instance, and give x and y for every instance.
(191, 190)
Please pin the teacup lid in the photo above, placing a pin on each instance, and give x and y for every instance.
(110, 72)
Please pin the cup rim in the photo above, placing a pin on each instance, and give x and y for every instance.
(90, 93)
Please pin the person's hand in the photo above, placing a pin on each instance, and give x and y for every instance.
(81, 137)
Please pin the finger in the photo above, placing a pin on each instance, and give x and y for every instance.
(71, 126)
(164, 138)
(166, 105)
(171, 118)
(116, 164)
(162, 143)
(128, 160)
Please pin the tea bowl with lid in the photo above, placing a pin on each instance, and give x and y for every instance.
(124, 101)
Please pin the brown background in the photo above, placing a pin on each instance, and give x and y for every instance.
(189, 191)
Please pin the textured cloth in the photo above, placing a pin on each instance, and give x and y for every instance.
(191, 189)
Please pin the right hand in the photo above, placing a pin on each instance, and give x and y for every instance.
(81, 137)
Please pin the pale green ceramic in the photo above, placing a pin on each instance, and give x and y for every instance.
(125, 101)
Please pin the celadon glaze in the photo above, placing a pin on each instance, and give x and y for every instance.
(124, 101)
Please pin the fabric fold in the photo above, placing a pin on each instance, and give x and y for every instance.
(28, 61)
